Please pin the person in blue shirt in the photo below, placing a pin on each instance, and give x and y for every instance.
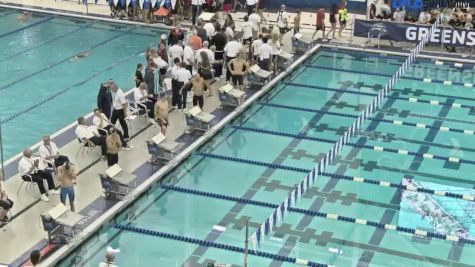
(147, 8)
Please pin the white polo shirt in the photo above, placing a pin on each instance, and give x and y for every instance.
(282, 16)
(207, 51)
(96, 121)
(232, 48)
(118, 99)
(82, 131)
(48, 151)
(229, 33)
(176, 51)
(255, 19)
(183, 75)
(188, 55)
(251, 2)
(265, 52)
(25, 164)
(196, 2)
(210, 30)
(138, 94)
(256, 44)
(246, 30)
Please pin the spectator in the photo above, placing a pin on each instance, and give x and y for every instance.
(274, 43)
(372, 9)
(265, 54)
(239, 68)
(320, 23)
(90, 136)
(49, 152)
(120, 109)
(189, 57)
(198, 86)
(194, 40)
(424, 17)
(146, 10)
(35, 258)
(67, 178)
(138, 75)
(5, 203)
(384, 11)
(163, 54)
(101, 122)
(30, 167)
(195, 10)
(409, 18)
(231, 50)
(141, 96)
(149, 78)
(205, 69)
(113, 146)
(210, 29)
(206, 50)
(201, 32)
(297, 22)
(246, 31)
(176, 34)
(219, 41)
(256, 44)
(343, 18)
(251, 6)
(255, 20)
(230, 31)
(104, 98)
(183, 76)
(282, 22)
(161, 112)
(398, 15)
(176, 51)
(227, 6)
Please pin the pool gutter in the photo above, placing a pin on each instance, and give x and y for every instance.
(141, 189)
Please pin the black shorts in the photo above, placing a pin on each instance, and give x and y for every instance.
(320, 28)
(283, 30)
(238, 79)
(343, 22)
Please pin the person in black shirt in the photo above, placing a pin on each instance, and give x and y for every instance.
(176, 34)
(202, 32)
(104, 99)
(219, 41)
(138, 75)
(372, 10)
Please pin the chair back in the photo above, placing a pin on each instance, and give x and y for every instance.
(153, 149)
(190, 120)
(106, 182)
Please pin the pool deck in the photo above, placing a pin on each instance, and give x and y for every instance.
(25, 231)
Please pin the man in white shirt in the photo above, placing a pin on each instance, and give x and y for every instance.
(49, 152)
(100, 121)
(209, 28)
(120, 108)
(246, 30)
(256, 44)
(205, 49)
(90, 136)
(255, 21)
(424, 17)
(231, 50)
(265, 54)
(282, 22)
(183, 76)
(176, 51)
(195, 9)
(251, 6)
(189, 57)
(31, 168)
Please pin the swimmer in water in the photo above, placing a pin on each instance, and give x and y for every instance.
(80, 55)
(25, 16)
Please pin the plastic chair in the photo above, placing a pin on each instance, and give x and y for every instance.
(29, 182)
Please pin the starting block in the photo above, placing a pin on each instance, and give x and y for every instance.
(161, 149)
(198, 120)
(258, 77)
(230, 97)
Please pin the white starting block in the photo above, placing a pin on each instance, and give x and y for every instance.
(229, 96)
(259, 76)
(284, 59)
(302, 43)
(206, 16)
(196, 119)
(160, 148)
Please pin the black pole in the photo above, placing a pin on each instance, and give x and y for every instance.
(246, 244)
(1, 150)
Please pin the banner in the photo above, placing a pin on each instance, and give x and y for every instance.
(413, 33)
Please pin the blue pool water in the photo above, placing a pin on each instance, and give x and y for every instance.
(41, 91)
(318, 101)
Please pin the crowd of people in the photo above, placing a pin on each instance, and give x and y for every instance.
(456, 17)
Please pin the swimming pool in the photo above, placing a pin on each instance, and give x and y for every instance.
(41, 90)
(256, 161)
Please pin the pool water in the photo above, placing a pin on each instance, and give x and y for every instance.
(41, 90)
(340, 93)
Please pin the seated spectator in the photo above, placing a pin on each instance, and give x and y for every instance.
(67, 178)
(161, 112)
(141, 96)
(32, 169)
(5, 203)
(384, 11)
(49, 152)
(101, 122)
(409, 18)
(90, 136)
(398, 15)
(424, 17)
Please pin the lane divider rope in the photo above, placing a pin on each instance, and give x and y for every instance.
(28, 76)
(26, 27)
(221, 246)
(396, 122)
(407, 230)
